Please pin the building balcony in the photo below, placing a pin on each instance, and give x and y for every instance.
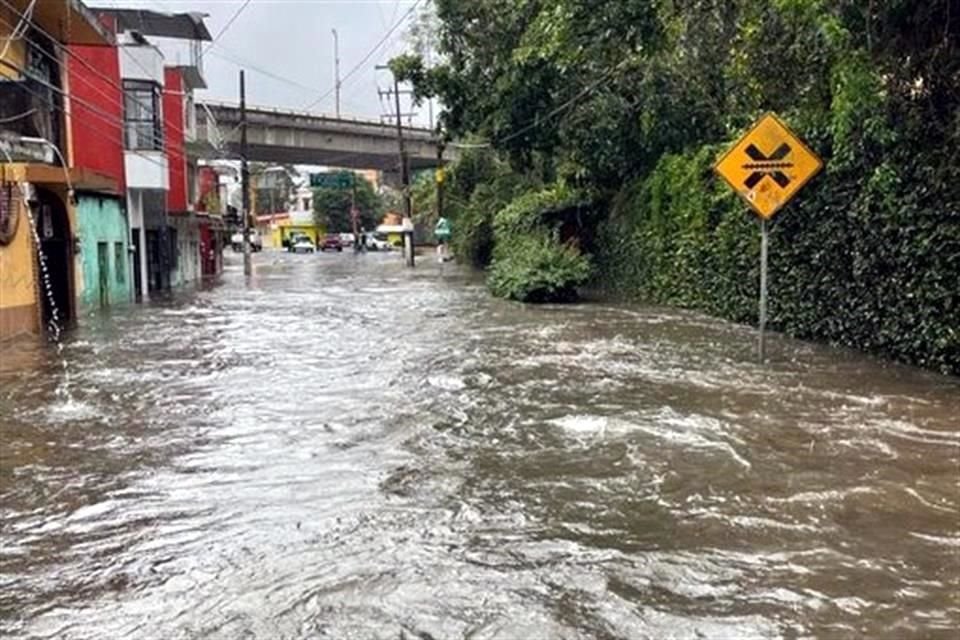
(179, 35)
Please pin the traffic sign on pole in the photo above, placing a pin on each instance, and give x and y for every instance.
(338, 180)
(767, 166)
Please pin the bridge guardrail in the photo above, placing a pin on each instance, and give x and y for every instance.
(310, 114)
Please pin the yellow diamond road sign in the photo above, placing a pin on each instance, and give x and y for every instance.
(768, 165)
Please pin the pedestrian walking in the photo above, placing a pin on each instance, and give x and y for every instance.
(442, 232)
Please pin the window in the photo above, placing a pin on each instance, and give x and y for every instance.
(141, 115)
(120, 262)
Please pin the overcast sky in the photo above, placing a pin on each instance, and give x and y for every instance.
(292, 39)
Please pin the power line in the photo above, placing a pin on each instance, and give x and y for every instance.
(109, 118)
(222, 31)
(538, 121)
(100, 115)
(19, 116)
(66, 50)
(369, 55)
(244, 64)
(231, 57)
(20, 30)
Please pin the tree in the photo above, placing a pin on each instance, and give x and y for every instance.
(630, 102)
(331, 206)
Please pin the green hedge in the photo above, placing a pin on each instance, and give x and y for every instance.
(864, 258)
(530, 262)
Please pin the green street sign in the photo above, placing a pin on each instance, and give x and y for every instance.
(331, 180)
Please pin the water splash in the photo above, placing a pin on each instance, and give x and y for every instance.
(54, 327)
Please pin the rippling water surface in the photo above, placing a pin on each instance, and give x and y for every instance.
(347, 449)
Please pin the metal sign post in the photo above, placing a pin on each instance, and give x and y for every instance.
(764, 239)
(767, 166)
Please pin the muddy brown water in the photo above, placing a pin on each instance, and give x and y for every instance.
(347, 449)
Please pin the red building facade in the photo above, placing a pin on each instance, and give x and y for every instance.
(97, 110)
(173, 127)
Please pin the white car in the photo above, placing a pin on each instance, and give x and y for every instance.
(376, 244)
(302, 244)
(256, 243)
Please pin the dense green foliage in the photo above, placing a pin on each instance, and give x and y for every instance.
(632, 101)
(331, 206)
(531, 263)
(537, 267)
(475, 190)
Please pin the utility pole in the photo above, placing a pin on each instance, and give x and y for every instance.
(430, 100)
(245, 178)
(404, 177)
(336, 68)
(440, 178)
(354, 212)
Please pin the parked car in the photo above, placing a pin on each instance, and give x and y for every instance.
(302, 244)
(292, 240)
(331, 242)
(256, 242)
(346, 240)
(376, 244)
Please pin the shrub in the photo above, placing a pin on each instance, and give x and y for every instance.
(534, 266)
(472, 240)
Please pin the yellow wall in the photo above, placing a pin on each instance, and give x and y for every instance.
(16, 52)
(17, 286)
(284, 230)
(18, 270)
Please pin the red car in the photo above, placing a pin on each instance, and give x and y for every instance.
(331, 242)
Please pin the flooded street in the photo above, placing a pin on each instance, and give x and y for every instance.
(348, 449)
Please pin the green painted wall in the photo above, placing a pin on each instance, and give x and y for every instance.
(100, 220)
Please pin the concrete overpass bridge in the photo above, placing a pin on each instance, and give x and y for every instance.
(292, 137)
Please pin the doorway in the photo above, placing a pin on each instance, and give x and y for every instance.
(56, 244)
(137, 282)
(103, 266)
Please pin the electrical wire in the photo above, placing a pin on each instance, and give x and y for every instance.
(104, 117)
(67, 51)
(231, 57)
(243, 64)
(20, 30)
(226, 27)
(56, 43)
(119, 123)
(538, 121)
(369, 55)
(19, 116)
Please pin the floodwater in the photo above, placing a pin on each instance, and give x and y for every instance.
(348, 449)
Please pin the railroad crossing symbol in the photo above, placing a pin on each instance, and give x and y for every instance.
(768, 165)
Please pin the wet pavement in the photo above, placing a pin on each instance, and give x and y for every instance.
(348, 449)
